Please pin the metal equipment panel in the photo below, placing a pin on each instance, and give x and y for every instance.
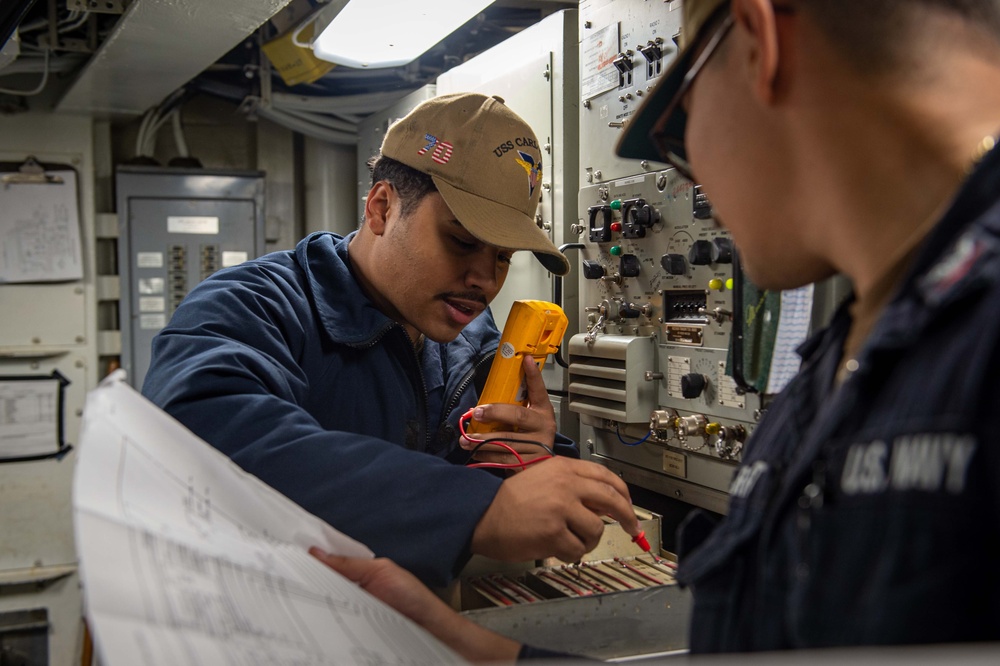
(177, 227)
(658, 268)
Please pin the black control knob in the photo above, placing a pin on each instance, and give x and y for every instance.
(700, 253)
(629, 266)
(692, 384)
(722, 250)
(643, 214)
(702, 206)
(674, 264)
(628, 311)
(592, 270)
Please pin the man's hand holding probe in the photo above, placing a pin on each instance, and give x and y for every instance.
(554, 507)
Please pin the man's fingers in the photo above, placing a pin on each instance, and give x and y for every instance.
(538, 395)
(602, 492)
(343, 565)
(520, 417)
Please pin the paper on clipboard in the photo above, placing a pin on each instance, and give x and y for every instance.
(29, 417)
(40, 238)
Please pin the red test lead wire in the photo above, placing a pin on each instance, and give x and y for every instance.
(520, 464)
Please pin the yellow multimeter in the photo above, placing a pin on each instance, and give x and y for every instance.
(533, 327)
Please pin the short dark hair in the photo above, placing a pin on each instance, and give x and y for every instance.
(876, 34)
(411, 184)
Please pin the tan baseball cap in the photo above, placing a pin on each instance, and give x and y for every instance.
(635, 142)
(487, 165)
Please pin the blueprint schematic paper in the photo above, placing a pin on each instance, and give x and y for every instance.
(186, 559)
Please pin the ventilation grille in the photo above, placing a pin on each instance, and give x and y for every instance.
(607, 378)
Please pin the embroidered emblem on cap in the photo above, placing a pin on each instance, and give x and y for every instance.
(527, 163)
(442, 149)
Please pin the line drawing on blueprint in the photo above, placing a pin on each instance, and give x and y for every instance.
(187, 559)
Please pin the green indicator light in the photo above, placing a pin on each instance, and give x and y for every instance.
(616, 250)
(729, 284)
(616, 204)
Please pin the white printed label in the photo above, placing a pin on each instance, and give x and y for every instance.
(152, 322)
(597, 55)
(232, 258)
(193, 224)
(625, 182)
(675, 464)
(507, 350)
(152, 304)
(151, 285)
(149, 259)
(728, 395)
(677, 367)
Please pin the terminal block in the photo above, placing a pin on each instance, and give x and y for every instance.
(684, 306)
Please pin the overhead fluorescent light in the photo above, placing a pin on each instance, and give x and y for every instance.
(387, 33)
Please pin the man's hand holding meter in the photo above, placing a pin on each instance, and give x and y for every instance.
(529, 426)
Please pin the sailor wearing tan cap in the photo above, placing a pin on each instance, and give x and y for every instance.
(853, 137)
(337, 372)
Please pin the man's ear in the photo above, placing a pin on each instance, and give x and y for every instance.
(758, 18)
(377, 205)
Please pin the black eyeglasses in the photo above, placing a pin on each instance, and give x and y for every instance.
(668, 132)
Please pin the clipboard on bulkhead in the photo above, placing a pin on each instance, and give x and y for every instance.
(40, 237)
(31, 417)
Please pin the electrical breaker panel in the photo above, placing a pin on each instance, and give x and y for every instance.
(177, 227)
